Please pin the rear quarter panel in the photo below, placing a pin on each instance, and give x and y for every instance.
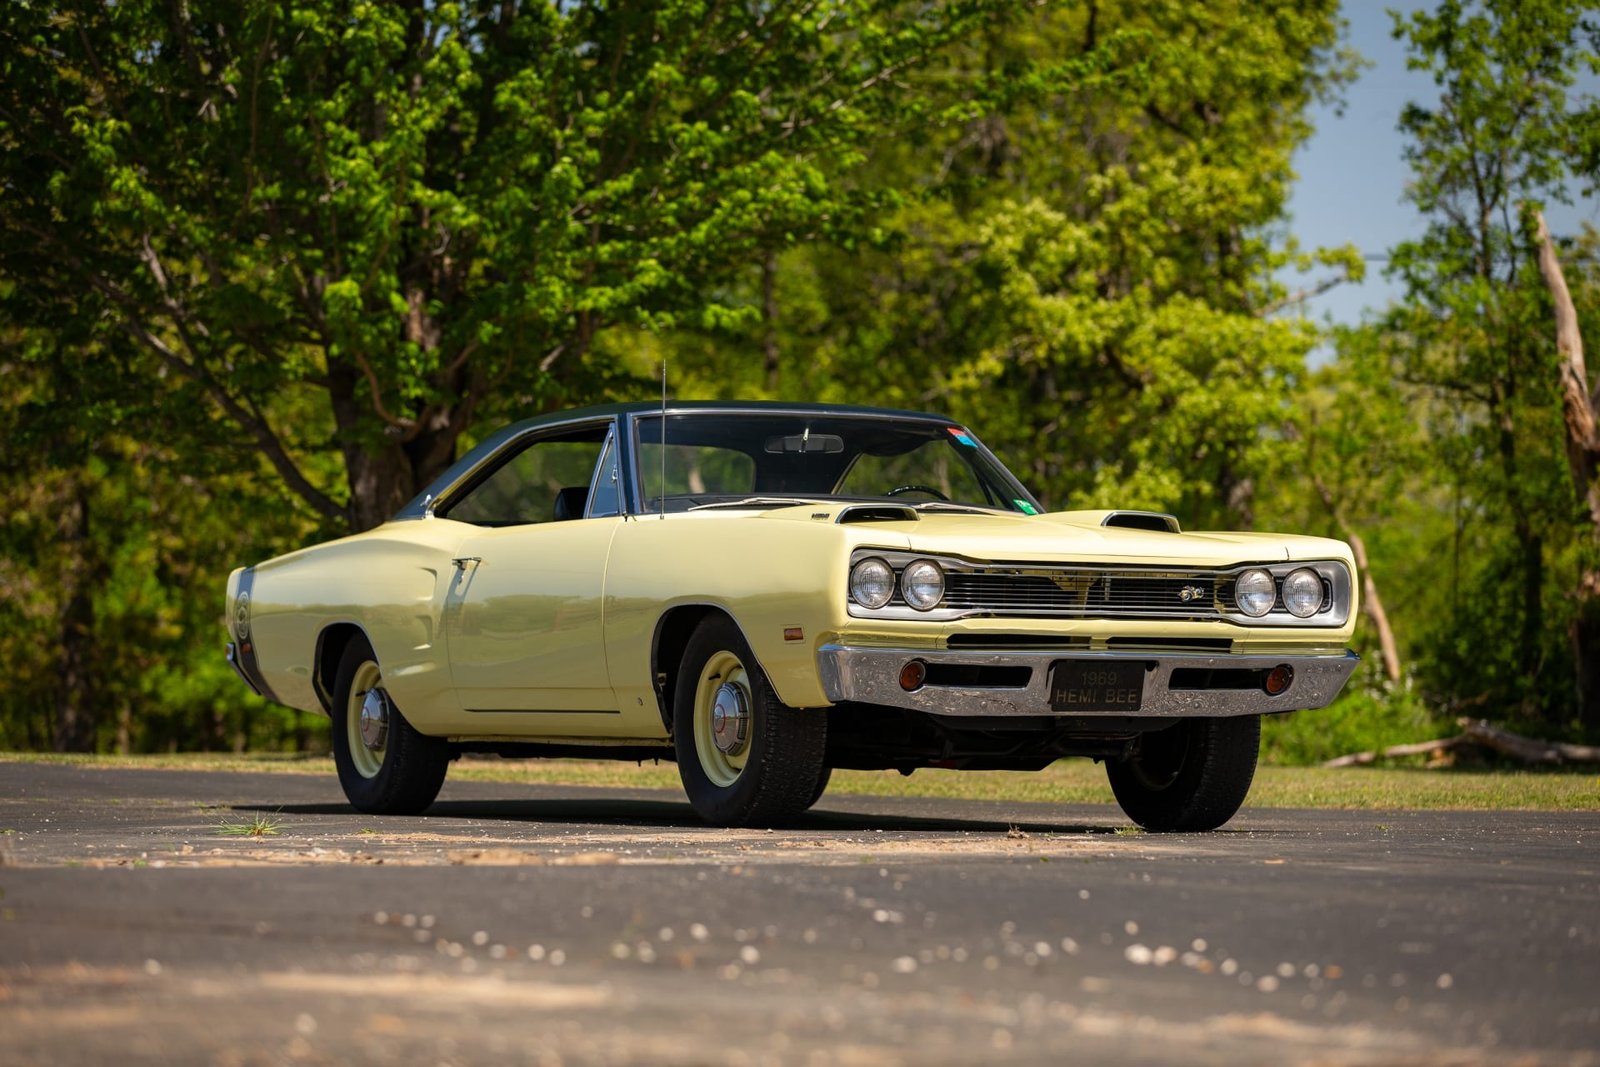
(389, 582)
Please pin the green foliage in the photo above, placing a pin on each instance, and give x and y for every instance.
(416, 215)
(1473, 350)
(1083, 271)
(265, 269)
(113, 555)
(255, 826)
(1370, 715)
(264, 266)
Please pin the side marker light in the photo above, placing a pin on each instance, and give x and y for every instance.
(1279, 679)
(912, 675)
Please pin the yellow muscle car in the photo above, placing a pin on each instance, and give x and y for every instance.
(765, 592)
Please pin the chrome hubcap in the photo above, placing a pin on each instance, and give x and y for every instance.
(374, 719)
(730, 719)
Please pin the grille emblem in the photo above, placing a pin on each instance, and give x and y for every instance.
(1190, 593)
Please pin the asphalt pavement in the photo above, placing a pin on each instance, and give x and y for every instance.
(564, 925)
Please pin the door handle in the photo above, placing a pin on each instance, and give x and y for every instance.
(462, 561)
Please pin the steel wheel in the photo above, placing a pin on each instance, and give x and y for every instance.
(745, 758)
(366, 720)
(722, 719)
(385, 766)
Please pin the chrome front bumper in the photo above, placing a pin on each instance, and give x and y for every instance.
(872, 676)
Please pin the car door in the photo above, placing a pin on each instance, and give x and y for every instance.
(523, 616)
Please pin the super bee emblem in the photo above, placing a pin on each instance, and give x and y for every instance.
(1190, 593)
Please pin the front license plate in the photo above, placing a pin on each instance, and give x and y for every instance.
(1097, 685)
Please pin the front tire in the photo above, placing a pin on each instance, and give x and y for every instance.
(745, 758)
(385, 766)
(1190, 777)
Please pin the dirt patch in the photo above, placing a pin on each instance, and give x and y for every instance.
(647, 847)
(442, 991)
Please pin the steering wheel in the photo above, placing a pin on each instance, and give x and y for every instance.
(914, 488)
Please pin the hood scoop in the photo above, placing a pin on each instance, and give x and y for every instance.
(1159, 521)
(876, 513)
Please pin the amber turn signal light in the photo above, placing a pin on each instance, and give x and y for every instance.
(1279, 678)
(912, 675)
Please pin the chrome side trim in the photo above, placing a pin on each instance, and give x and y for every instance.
(242, 656)
(871, 676)
(233, 661)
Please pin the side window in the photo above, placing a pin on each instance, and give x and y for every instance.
(546, 481)
(603, 499)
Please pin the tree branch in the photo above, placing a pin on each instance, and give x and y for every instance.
(1300, 296)
(1577, 405)
(254, 424)
(400, 423)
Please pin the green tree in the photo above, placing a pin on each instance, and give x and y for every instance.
(1506, 134)
(418, 213)
(124, 513)
(1081, 268)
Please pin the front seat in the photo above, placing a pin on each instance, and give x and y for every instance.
(570, 502)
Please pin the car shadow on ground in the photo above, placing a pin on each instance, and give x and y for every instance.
(662, 814)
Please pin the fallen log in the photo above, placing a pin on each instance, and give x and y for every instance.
(1527, 749)
(1415, 748)
(1480, 733)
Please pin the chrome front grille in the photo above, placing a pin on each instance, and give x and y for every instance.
(1086, 591)
(1175, 592)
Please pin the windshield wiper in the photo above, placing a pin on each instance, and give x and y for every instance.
(945, 505)
(758, 501)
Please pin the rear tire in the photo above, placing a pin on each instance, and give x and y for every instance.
(402, 772)
(1190, 777)
(764, 765)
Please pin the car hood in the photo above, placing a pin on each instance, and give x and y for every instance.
(1057, 537)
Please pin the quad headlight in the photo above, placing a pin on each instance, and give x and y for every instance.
(1255, 592)
(922, 584)
(871, 583)
(1302, 593)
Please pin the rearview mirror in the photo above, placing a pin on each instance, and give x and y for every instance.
(806, 442)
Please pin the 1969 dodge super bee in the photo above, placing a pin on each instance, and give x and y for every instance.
(765, 592)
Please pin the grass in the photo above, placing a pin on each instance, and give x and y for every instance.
(1067, 782)
(257, 826)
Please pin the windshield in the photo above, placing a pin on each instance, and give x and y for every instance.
(767, 459)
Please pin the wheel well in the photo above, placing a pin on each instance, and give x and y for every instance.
(331, 643)
(672, 637)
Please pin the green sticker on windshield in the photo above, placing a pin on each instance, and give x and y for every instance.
(1025, 507)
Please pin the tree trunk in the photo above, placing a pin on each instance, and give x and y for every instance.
(1371, 602)
(769, 320)
(385, 472)
(1580, 409)
(75, 710)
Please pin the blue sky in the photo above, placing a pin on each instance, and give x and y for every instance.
(1352, 178)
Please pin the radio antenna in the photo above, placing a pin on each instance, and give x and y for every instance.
(663, 437)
